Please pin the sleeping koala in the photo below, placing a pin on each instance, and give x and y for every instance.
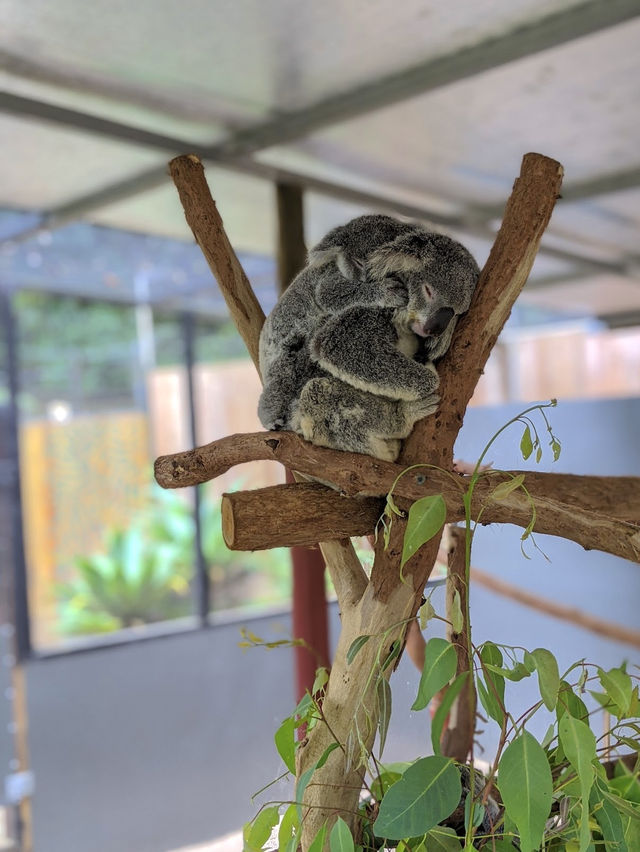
(347, 354)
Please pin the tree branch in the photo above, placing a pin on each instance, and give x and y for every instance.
(205, 222)
(281, 516)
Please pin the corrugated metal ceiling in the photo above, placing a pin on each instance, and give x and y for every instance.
(423, 120)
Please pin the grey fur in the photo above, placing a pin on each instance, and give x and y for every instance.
(347, 353)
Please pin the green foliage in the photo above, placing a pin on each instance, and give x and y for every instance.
(144, 573)
(524, 781)
(439, 667)
(426, 519)
(553, 795)
(426, 794)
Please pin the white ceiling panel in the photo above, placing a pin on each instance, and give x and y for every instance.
(247, 206)
(44, 166)
(251, 54)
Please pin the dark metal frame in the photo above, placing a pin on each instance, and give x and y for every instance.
(18, 607)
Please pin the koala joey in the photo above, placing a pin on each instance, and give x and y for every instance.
(347, 354)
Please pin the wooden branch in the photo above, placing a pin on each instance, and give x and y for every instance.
(457, 737)
(364, 476)
(205, 222)
(505, 273)
(346, 572)
(290, 515)
(567, 614)
(281, 516)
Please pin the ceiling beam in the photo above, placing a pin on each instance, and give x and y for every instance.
(525, 40)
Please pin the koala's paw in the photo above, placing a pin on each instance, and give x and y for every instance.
(272, 414)
(423, 407)
(385, 449)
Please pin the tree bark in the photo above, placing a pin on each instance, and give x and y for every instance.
(391, 599)
(283, 515)
(457, 737)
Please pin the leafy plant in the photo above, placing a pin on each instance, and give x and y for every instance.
(552, 795)
(144, 573)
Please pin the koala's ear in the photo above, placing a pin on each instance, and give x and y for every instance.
(353, 268)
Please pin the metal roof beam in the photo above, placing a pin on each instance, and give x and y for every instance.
(525, 40)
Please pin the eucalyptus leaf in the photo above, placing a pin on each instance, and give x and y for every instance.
(258, 832)
(317, 844)
(569, 702)
(457, 620)
(526, 787)
(526, 444)
(579, 744)
(355, 646)
(491, 692)
(617, 684)
(439, 667)
(502, 491)
(426, 613)
(440, 716)
(548, 676)
(384, 707)
(441, 839)
(340, 839)
(608, 819)
(289, 826)
(321, 679)
(286, 743)
(428, 792)
(426, 518)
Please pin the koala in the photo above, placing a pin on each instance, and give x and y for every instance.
(347, 354)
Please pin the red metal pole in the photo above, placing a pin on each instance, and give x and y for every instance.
(310, 613)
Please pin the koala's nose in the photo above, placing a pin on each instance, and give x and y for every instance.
(436, 324)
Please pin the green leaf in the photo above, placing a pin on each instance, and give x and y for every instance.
(426, 613)
(439, 667)
(392, 508)
(428, 792)
(526, 444)
(555, 448)
(524, 781)
(317, 844)
(627, 787)
(285, 740)
(548, 676)
(442, 839)
(518, 672)
(340, 839)
(355, 646)
(394, 652)
(569, 702)
(617, 684)
(608, 819)
(288, 826)
(457, 621)
(325, 755)
(321, 679)
(502, 491)
(305, 777)
(440, 716)
(384, 706)
(426, 518)
(260, 829)
(491, 694)
(478, 812)
(579, 744)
